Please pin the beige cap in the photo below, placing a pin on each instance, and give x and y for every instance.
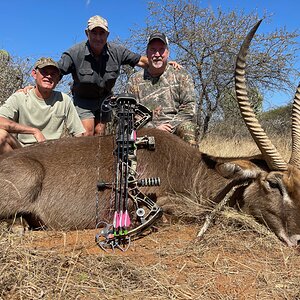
(45, 62)
(97, 21)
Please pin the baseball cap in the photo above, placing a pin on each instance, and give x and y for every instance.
(97, 21)
(159, 36)
(45, 62)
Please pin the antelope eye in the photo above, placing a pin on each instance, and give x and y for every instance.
(275, 181)
(273, 184)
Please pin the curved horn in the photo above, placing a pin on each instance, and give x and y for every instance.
(295, 156)
(270, 153)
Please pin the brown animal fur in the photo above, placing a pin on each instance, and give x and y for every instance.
(53, 184)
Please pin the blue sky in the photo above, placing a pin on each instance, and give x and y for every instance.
(34, 28)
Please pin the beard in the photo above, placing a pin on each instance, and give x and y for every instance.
(157, 64)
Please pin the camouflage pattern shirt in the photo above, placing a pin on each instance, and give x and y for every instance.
(171, 97)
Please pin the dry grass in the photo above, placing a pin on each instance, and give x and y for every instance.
(228, 147)
(219, 146)
(235, 259)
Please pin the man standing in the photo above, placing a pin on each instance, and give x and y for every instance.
(95, 66)
(40, 114)
(169, 93)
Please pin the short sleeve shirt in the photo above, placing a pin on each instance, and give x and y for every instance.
(49, 115)
(94, 79)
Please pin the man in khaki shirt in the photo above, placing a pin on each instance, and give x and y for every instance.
(40, 114)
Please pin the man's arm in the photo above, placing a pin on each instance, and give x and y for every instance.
(73, 121)
(132, 86)
(187, 128)
(186, 97)
(65, 64)
(143, 62)
(14, 127)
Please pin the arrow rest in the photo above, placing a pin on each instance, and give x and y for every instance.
(128, 223)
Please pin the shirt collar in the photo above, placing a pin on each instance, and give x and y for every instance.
(88, 52)
(147, 75)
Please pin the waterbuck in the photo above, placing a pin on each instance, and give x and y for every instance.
(53, 184)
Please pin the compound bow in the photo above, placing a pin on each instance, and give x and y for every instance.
(130, 116)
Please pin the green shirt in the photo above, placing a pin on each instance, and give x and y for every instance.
(49, 115)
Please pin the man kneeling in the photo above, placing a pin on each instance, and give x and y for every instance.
(40, 114)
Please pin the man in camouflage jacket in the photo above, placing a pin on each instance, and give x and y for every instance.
(168, 92)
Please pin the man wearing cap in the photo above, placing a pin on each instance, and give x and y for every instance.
(95, 66)
(40, 114)
(169, 93)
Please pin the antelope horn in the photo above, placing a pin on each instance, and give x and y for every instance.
(295, 157)
(270, 153)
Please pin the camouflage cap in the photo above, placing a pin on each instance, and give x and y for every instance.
(97, 21)
(45, 62)
(159, 36)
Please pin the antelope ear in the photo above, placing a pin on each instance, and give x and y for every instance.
(238, 169)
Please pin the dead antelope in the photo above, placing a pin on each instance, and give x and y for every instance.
(274, 196)
(53, 184)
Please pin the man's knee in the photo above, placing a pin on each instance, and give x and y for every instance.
(100, 128)
(188, 132)
(88, 125)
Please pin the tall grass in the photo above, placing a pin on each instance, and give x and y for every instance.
(231, 141)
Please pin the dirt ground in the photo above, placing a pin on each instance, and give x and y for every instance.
(232, 261)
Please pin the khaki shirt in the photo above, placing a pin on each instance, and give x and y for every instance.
(49, 116)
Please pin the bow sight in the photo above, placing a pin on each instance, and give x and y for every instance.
(125, 225)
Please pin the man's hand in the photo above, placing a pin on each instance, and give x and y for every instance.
(39, 136)
(166, 127)
(175, 65)
(156, 112)
(194, 144)
(26, 89)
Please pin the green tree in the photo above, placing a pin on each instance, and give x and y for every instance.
(14, 73)
(230, 109)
